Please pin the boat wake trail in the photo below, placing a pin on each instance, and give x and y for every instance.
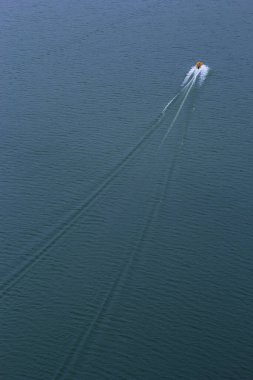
(84, 339)
(69, 221)
(189, 85)
(195, 75)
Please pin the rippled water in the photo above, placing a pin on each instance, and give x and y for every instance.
(121, 257)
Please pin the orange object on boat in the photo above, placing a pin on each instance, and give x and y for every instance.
(199, 64)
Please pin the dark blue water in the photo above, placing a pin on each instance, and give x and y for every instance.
(121, 257)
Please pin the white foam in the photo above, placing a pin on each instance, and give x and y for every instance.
(201, 73)
(189, 86)
(189, 75)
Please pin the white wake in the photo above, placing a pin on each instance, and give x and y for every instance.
(200, 74)
(193, 76)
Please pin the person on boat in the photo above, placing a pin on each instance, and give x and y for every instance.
(199, 64)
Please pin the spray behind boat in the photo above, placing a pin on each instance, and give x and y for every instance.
(196, 74)
(199, 71)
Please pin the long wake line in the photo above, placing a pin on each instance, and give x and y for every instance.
(190, 84)
(72, 218)
(85, 335)
(68, 223)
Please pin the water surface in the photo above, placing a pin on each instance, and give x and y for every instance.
(144, 272)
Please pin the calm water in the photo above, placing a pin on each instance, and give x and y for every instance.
(118, 263)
